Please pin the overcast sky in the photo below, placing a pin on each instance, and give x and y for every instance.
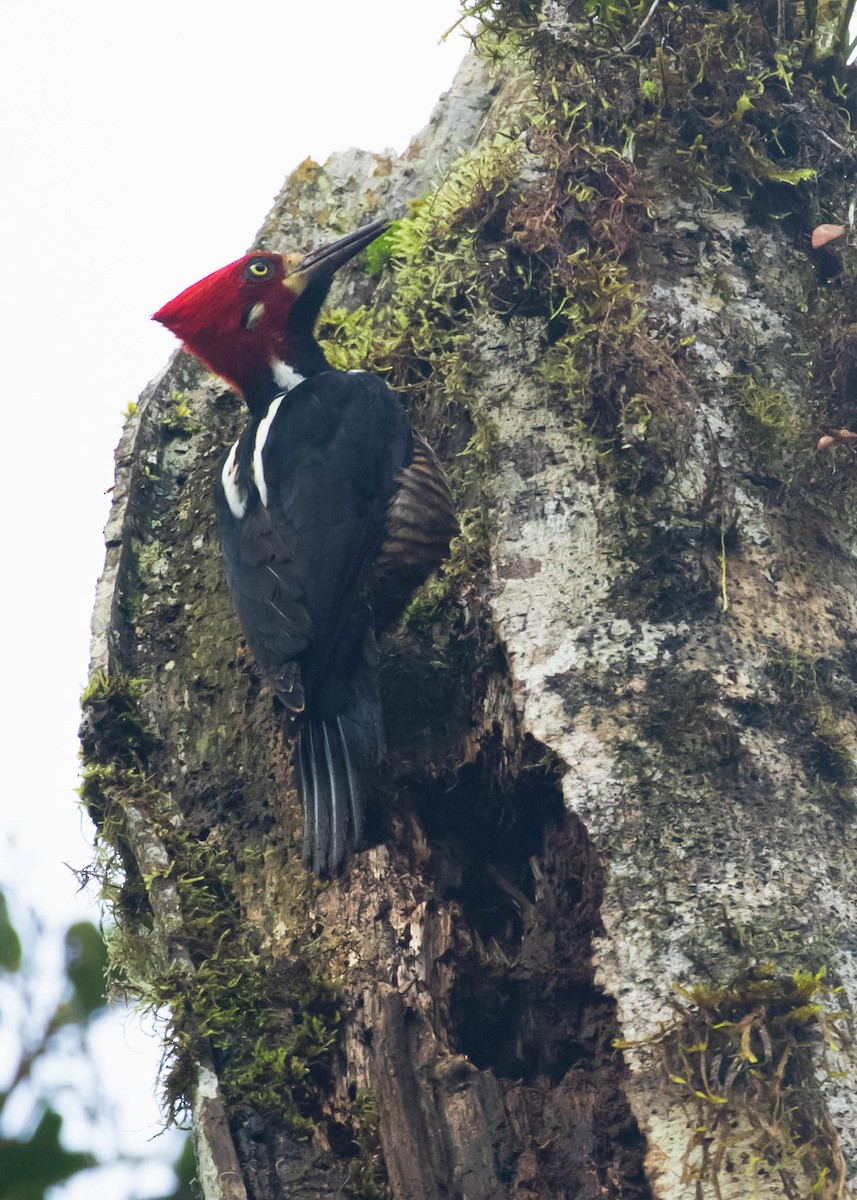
(142, 144)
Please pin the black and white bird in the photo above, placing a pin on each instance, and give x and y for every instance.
(331, 510)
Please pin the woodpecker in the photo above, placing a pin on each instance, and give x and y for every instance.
(331, 512)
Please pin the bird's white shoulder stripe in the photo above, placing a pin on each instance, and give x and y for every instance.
(264, 428)
(236, 496)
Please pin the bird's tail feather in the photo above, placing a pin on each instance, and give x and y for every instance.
(336, 758)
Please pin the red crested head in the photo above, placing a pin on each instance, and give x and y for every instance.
(249, 320)
(235, 319)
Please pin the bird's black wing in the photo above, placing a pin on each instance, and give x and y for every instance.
(421, 522)
(298, 566)
(331, 462)
(266, 582)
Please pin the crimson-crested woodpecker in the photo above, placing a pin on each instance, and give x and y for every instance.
(331, 513)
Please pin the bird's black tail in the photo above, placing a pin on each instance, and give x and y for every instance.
(336, 757)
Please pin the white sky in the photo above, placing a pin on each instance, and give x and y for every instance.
(142, 144)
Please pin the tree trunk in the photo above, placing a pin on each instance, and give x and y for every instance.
(603, 941)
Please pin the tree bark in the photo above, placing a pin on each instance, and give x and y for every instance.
(602, 943)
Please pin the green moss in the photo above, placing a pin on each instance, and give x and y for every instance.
(746, 1058)
(266, 1022)
(504, 17)
(441, 265)
(121, 690)
(112, 721)
(176, 421)
(818, 704)
(367, 1177)
(795, 674)
(441, 268)
(734, 104)
(736, 98)
(780, 438)
(752, 118)
(148, 554)
(378, 254)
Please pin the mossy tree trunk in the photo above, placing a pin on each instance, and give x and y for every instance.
(603, 942)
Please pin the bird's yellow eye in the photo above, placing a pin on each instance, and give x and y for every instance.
(258, 269)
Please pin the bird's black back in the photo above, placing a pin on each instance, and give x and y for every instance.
(298, 566)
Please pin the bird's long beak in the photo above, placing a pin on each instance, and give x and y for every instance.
(325, 261)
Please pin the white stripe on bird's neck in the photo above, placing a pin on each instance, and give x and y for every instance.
(287, 378)
(236, 495)
(262, 431)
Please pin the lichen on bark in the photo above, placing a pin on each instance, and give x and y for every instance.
(602, 937)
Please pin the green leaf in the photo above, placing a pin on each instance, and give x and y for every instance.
(28, 1168)
(10, 943)
(795, 175)
(744, 105)
(85, 964)
(377, 254)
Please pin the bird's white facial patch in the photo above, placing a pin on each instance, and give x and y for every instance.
(262, 431)
(236, 495)
(254, 316)
(287, 377)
